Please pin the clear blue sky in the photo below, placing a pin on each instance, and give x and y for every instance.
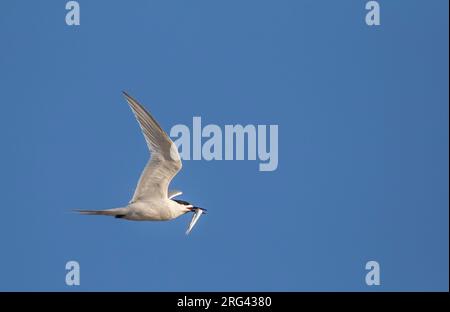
(363, 144)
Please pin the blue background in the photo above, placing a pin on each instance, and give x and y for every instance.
(363, 144)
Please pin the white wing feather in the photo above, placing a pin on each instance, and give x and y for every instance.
(165, 161)
(174, 193)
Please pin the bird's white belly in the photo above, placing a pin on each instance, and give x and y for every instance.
(149, 211)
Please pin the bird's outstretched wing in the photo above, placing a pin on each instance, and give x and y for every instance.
(165, 161)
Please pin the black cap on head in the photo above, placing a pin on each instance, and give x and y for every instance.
(181, 202)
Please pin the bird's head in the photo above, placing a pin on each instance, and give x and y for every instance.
(188, 206)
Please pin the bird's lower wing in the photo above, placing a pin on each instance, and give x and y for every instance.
(155, 179)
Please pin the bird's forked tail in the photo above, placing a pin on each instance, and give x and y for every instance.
(114, 212)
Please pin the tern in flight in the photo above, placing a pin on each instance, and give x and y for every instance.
(152, 200)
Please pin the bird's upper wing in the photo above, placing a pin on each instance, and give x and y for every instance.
(165, 161)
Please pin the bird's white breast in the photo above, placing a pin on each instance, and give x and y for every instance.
(157, 210)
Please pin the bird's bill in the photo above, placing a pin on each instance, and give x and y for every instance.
(197, 214)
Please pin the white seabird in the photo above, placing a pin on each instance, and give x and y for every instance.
(152, 200)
